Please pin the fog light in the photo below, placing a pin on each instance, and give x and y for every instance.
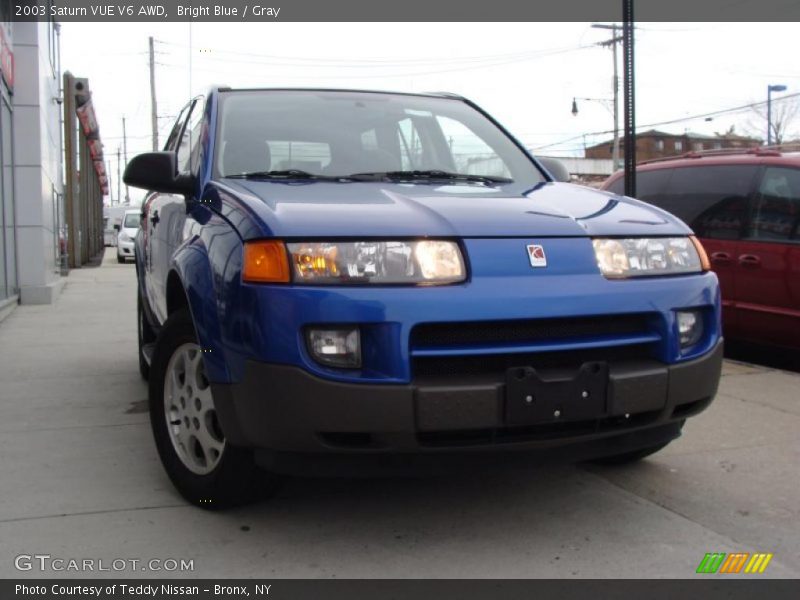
(690, 327)
(336, 347)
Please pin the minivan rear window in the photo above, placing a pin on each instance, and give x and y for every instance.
(711, 199)
(649, 185)
(776, 206)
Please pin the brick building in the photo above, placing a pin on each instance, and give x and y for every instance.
(659, 144)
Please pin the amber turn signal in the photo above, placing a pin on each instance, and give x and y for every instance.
(265, 261)
(701, 252)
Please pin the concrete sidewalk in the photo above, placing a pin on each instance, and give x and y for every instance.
(81, 479)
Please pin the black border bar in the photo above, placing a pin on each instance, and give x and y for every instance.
(705, 587)
(401, 10)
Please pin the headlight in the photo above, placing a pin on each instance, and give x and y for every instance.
(377, 262)
(646, 257)
(123, 237)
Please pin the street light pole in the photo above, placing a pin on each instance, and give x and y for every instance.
(610, 106)
(770, 89)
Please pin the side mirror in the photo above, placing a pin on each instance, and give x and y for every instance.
(556, 168)
(157, 172)
(116, 227)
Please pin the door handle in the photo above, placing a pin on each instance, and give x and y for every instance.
(749, 260)
(154, 219)
(723, 258)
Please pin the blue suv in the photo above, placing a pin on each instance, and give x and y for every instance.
(333, 281)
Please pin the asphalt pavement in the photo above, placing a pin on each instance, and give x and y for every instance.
(80, 479)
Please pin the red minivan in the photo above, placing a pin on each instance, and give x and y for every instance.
(745, 208)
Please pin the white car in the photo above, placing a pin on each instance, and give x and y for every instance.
(127, 232)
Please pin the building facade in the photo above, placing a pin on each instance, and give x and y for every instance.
(659, 144)
(31, 188)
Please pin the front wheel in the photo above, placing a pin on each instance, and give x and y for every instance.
(206, 469)
(120, 259)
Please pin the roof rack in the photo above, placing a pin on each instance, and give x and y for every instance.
(774, 150)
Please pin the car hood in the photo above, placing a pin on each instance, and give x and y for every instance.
(330, 209)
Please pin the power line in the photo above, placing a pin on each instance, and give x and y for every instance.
(678, 120)
(381, 75)
(379, 62)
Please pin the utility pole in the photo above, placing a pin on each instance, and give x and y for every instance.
(153, 108)
(615, 39)
(125, 156)
(119, 179)
(110, 187)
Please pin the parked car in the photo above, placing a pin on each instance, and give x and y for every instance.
(126, 234)
(323, 286)
(112, 222)
(745, 207)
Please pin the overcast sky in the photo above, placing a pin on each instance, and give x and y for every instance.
(525, 74)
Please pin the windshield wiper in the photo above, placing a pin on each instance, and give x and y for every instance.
(286, 174)
(428, 175)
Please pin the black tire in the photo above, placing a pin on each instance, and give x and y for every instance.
(629, 457)
(235, 479)
(120, 259)
(145, 335)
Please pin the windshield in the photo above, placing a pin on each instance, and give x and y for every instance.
(337, 134)
(131, 220)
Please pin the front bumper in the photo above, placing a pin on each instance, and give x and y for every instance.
(125, 248)
(291, 415)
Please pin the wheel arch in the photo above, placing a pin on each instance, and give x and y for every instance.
(190, 285)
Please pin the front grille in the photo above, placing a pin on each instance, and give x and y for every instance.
(498, 332)
(497, 364)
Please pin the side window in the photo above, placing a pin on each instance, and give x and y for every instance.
(190, 136)
(197, 134)
(176, 129)
(775, 213)
(618, 187)
(650, 186)
(712, 200)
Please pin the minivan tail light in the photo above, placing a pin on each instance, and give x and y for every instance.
(265, 261)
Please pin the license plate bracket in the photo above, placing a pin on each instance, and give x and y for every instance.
(533, 399)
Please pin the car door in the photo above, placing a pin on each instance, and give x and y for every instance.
(155, 240)
(768, 261)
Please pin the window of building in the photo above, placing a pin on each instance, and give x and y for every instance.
(660, 145)
(678, 146)
(697, 146)
(717, 146)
